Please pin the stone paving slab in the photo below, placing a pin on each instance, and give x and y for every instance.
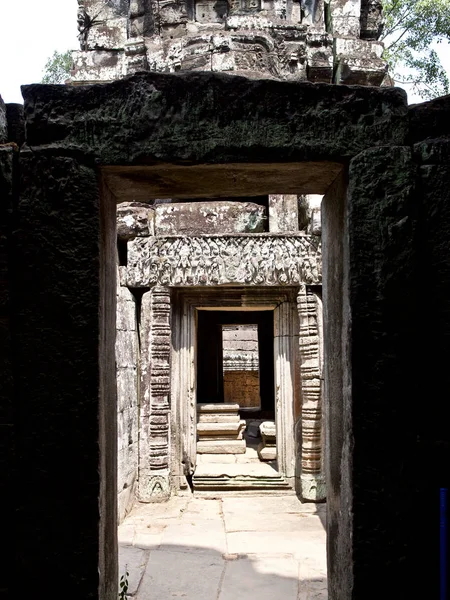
(133, 560)
(252, 514)
(231, 548)
(181, 574)
(271, 542)
(201, 536)
(260, 578)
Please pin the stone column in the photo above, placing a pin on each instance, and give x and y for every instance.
(153, 473)
(312, 480)
(283, 213)
(285, 378)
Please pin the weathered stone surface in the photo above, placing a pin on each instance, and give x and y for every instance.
(126, 348)
(65, 401)
(133, 560)
(126, 310)
(98, 66)
(221, 446)
(310, 437)
(3, 123)
(429, 120)
(154, 391)
(216, 260)
(309, 213)
(8, 409)
(172, 573)
(102, 25)
(283, 213)
(242, 386)
(153, 125)
(359, 62)
(278, 40)
(268, 431)
(432, 442)
(254, 476)
(319, 57)
(219, 408)
(16, 123)
(345, 15)
(134, 219)
(226, 429)
(218, 418)
(209, 217)
(370, 499)
(267, 449)
(371, 19)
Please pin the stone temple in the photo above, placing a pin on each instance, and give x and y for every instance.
(213, 282)
(196, 276)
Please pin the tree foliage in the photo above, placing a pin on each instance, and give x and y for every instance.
(411, 26)
(57, 68)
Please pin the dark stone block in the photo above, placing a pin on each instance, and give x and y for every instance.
(57, 312)
(382, 225)
(3, 123)
(371, 329)
(213, 118)
(16, 123)
(429, 120)
(432, 454)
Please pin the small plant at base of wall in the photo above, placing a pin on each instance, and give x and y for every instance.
(123, 585)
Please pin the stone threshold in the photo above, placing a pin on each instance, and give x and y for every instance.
(235, 476)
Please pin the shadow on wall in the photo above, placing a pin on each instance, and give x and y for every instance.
(199, 573)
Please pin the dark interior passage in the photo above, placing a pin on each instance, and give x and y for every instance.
(210, 384)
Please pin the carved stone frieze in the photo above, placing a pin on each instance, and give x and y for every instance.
(266, 260)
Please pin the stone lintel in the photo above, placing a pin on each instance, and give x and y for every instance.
(166, 116)
(241, 259)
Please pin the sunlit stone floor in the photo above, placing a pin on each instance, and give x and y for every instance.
(233, 548)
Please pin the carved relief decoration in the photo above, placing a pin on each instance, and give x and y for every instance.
(160, 379)
(262, 259)
(312, 480)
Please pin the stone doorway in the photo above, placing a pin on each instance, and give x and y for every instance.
(235, 360)
(236, 416)
(369, 320)
(194, 311)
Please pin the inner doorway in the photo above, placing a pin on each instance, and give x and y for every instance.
(236, 430)
(215, 350)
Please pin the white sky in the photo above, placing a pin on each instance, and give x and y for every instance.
(27, 40)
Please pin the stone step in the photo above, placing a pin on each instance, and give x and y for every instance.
(232, 429)
(221, 447)
(219, 408)
(226, 476)
(223, 437)
(218, 418)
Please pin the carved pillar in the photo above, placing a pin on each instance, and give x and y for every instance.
(153, 480)
(285, 376)
(312, 481)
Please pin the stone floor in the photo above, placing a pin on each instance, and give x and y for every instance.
(233, 548)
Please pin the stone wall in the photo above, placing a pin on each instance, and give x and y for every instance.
(391, 368)
(241, 365)
(8, 157)
(127, 362)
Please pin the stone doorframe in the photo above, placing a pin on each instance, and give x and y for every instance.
(297, 374)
